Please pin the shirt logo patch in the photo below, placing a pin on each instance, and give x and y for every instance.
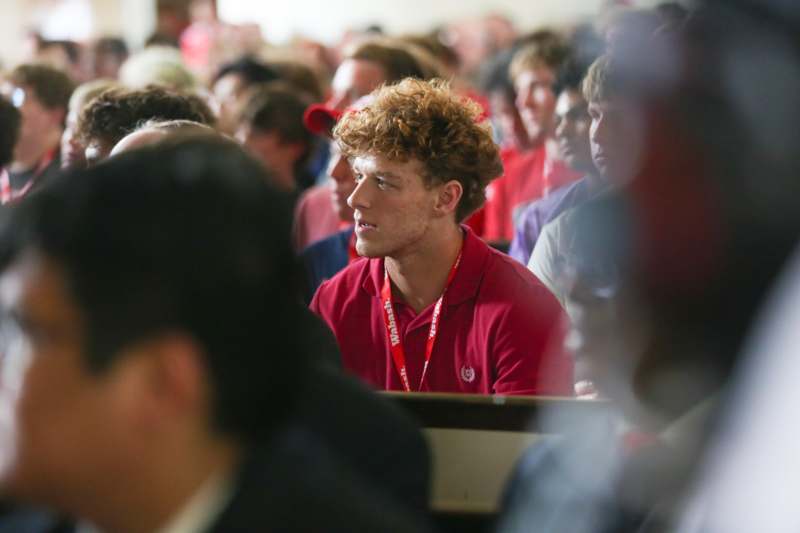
(468, 374)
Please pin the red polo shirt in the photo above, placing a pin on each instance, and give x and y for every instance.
(497, 323)
(528, 176)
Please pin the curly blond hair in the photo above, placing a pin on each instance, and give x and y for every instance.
(427, 121)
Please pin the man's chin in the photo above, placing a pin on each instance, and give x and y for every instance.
(369, 251)
(369, 254)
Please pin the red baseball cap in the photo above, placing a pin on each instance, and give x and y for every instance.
(320, 119)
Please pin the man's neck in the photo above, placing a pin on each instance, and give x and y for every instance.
(420, 276)
(284, 175)
(597, 182)
(28, 153)
(155, 499)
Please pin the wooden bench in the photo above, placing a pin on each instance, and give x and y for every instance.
(475, 441)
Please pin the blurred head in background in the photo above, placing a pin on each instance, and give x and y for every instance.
(117, 112)
(108, 55)
(272, 129)
(231, 84)
(533, 71)
(41, 93)
(72, 149)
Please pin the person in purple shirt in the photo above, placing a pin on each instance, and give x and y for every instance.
(572, 134)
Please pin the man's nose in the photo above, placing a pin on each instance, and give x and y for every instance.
(359, 198)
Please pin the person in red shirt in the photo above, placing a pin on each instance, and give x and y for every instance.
(432, 307)
(41, 94)
(537, 170)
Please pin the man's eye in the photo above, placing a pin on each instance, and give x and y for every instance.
(358, 177)
(382, 184)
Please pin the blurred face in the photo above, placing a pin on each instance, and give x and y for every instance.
(353, 79)
(508, 120)
(106, 65)
(536, 103)
(267, 147)
(229, 91)
(72, 150)
(342, 183)
(393, 207)
(615, 136)
(61, 422)
(572, 130)
(38, 122)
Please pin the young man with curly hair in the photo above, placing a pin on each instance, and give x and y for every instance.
(432, 307)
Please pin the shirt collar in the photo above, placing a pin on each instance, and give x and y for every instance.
(204, 506)
(468, 277)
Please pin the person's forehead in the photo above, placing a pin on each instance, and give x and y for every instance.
(228, 84)
(535, 74)
(377, 163)
(568, 100)
(358, 74)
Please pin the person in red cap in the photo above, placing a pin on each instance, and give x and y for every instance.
(322, 210)
(327, 256)
(432, 307)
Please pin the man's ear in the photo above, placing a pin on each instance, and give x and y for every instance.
(172, 380)
(449, 196)
(297, 149)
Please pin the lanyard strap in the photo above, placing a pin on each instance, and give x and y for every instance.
(7, 194)
(393, 335)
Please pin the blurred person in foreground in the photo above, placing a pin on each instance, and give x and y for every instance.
(156, 131)
(73, 151)
(202, 392)
(697, 239)
(433, 308)
(41, 94)
(117, 112)
(322, 210)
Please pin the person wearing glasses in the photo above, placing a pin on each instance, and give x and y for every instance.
(41, 94)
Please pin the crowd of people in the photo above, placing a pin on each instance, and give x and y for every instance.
(209, 263)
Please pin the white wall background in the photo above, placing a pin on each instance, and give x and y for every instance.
(282, 19)
(326, 20)
(72, 19)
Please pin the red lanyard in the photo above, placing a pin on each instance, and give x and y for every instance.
(393, 335)
(7, 194)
